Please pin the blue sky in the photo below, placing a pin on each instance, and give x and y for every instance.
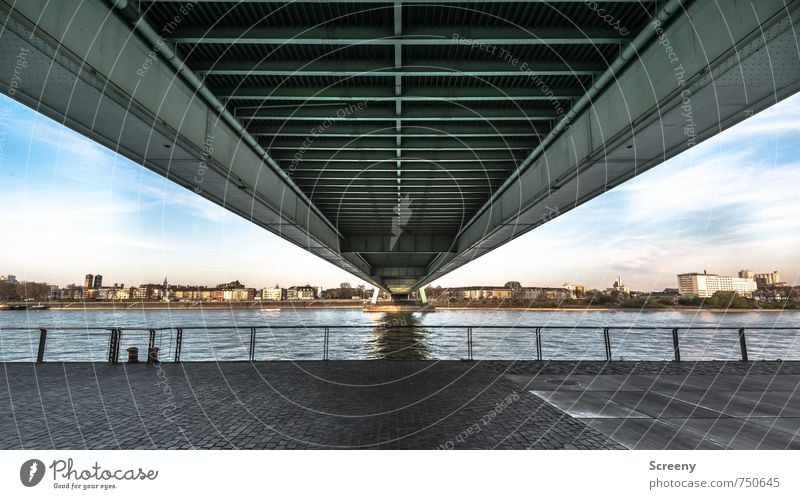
(71, 207)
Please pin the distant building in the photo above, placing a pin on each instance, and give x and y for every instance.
(618, 287)
(774, 292)
(670, 294)
(98, 282)
(705, 285)
(539, 293)
(273, 294)
(768, 279)
(575, 291)
(8, 278)
(88, 281)
(301, 293)
(238, 294)
(763, 280)
(191, 293)
(481, 293)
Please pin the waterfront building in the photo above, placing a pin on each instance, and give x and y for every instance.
(301, 293)
(88, 281)
(188, 293)
(481, 292)
(539, 293)
(239, 294)
(98, 282)
(705, 285)
(574, 291)
(273, 294)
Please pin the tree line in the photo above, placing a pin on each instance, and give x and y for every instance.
(14, 291)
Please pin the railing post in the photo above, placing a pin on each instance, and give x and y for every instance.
(538, 343)
(113, 346)
(178, 343)
(151, 344)
(117, 347)
(42, 341)
(607, 341)
(325, 343)
(743, 344)
(469, 343)
(675, 345)
(252, 344)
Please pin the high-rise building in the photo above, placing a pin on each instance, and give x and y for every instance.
(88, 281)
(746, 274)
(9, 278)
(768, 279)
(98, 281)
(705, 285)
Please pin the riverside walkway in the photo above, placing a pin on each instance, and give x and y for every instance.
(401, 405)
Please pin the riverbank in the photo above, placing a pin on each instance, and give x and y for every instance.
(621, 309)
(341, 304)
(207, 305)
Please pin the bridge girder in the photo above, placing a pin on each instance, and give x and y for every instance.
(399, 147)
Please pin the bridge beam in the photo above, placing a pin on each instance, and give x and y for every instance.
(125, 92)
(401, 244)
(699, 82)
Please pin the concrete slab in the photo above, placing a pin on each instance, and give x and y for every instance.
(659, 406)
(650, 434)
(786, 425)
(587, 405)
(736, 433)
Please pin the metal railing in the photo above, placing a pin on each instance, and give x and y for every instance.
(115, 335)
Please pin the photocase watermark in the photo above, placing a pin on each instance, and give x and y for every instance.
(391, 324)
(20, 63)
(401, 215)
(5, 111)
(183, 10)
(66, 475)
(341, 113)
(609, 19)
(31, 472)
(169, 409)
(484, 422)
(202, 165)
(549, 213)
(689, 126)
(525, 69)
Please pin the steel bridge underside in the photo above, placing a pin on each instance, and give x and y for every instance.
(399, 140)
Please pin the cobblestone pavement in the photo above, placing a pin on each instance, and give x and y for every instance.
(340, 404)
(277, 405)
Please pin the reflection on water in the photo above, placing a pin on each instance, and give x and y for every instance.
(399, 336)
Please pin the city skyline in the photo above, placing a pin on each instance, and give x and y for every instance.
(724, 205)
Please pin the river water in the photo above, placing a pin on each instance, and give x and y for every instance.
(70, 339)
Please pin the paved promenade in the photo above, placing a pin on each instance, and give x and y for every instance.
(400, 405)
